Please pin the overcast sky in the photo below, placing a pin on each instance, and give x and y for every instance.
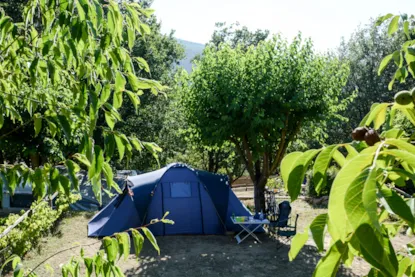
(325, 21)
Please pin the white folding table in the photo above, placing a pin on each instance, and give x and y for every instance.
(246, 227)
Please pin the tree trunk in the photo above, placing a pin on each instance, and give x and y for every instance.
(259, 196)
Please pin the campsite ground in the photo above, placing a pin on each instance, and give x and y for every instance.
(191, 255)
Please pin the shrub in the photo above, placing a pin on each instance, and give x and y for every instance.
(27, 233)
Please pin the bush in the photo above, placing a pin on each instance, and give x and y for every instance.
(27, 233)
(275, 183)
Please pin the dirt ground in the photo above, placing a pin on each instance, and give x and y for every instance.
(190, 255)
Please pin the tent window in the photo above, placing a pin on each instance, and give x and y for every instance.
(180, 190)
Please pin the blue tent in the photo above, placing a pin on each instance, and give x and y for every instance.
(199, 202)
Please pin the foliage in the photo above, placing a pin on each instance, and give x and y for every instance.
(364, 51)
(259, 98)
(66, 65)
(103, 263)
(162, 53)
(27, 233)
(364, 192)
(234, 35)
(331, 174)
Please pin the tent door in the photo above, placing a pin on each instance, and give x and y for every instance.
(182, 200)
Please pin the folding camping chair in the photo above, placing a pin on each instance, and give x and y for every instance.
(283, 225)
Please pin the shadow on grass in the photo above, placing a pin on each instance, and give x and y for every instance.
(221, 256)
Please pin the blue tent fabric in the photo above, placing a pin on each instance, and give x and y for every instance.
(199, 202)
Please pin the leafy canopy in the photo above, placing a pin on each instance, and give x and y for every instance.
(64, 66)
(258, 97)
(365, 191)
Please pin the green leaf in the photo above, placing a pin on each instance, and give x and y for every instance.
(338, 226)
(142, 63)
(136, 143)
(97, 163)
(110, 120)
(393, 25)
(131, 37)
(105, 94)
(320, 167)
(73, 168)
(406, 29)
(329, 264)
(287, 164)
(134, 99)
(120, 145)
(124, 244)
(297, 243)
(111, 248)
(66, 127)
(38, 123)
(109, 177)
(89, 265)
(339, 158)
(119, 88)
(403, 266)
(151, 238)
(379, 254)
(359, 197)
(138, 240)
(82, 158)
(396, 205)
(317, 228)
(352, 152)
(385, 61)
(298, 171)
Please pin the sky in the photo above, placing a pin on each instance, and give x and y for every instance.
(325, 21)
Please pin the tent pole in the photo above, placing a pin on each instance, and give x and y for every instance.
(201, 208)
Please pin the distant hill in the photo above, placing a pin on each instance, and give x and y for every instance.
(192, 49)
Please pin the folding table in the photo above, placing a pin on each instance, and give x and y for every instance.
(246, 227)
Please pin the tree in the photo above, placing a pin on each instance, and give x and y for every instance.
(259, 98)
(364, 51)
(162, 53)
(365, 192)
(235, 35)
(59, 69)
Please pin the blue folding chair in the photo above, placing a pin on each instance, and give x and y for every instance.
(283, 225)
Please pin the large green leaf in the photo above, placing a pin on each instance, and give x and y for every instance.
(329, 264)
(119, 88)
(354, 199)
(339, 158)
(120, 145)
(287, 164)
(384, 63)
(38, 124)
(401, 154)
(297, 243)
(111, 248)
(393, 25)
(151, 238)
(338, 226)
(97, 163)
(320, 167)
(124, 244)
(396, 205)
(317, 228)
(298, 171)
(378, 253)
(352, 152)
(138, 240)
(377, 115)
(73, 168)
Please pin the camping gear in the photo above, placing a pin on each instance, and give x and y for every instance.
(283, 226)
(249, 226)
(199, 202)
